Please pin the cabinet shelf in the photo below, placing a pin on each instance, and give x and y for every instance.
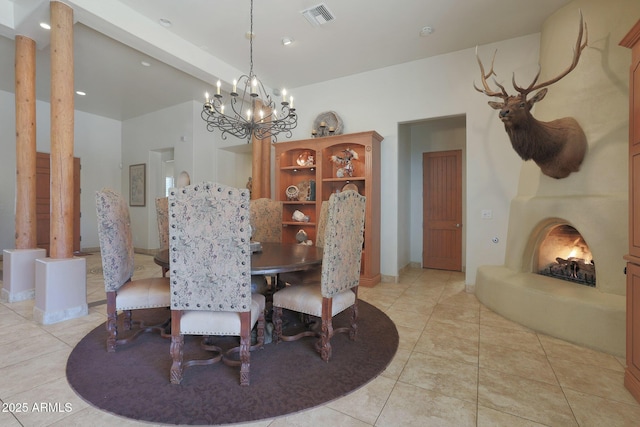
(366, 171)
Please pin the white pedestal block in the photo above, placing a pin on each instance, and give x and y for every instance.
(19, 273)
(61, 290)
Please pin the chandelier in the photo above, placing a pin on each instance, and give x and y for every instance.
(252, 112)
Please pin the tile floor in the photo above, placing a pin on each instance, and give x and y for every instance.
(458, 364)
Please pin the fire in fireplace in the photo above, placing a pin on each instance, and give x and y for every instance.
(564, 254)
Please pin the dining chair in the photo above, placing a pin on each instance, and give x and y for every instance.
(266, 220)
(312, 275)
(210, 269)
(338, 287)
(162, 216)
(123, 292)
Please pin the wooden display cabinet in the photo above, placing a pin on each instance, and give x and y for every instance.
(632, 371)
(293, 169)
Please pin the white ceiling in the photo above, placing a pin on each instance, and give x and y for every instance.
(207, 41)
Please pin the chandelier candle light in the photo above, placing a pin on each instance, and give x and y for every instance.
(253, 113)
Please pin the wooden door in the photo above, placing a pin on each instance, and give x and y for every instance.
(43, 201)
(442, 210)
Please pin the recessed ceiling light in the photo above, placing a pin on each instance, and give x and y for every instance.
(425, 31)
(287, 41)
(45, 25)
(164, 22)
(81, 93)
(145, 63)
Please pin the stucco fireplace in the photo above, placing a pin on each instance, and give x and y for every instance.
(593, 201)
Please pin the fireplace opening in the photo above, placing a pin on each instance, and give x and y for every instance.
(564, 254)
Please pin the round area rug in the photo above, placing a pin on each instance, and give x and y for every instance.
(285, 378)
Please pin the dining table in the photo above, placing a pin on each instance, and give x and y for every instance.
(271, 259)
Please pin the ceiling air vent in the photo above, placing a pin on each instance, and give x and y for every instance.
(318, 15)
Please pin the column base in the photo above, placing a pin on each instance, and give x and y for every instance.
(61, 290)
(19, 273)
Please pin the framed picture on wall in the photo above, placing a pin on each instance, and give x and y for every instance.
(137, 185)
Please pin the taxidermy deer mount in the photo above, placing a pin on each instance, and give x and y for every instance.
(558, 147)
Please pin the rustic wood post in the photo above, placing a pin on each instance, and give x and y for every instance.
(25, 87)
(62, 120)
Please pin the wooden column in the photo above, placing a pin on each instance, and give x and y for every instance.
(25, 86)
(256, 168)
(266, 167)
(62, 107)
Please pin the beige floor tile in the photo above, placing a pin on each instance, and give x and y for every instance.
(491, 318)
(408, 337)
(322, 416)
(593, 411)
(465, 330)
(410, 406)
(511, 338)
(488, 417)
(96, 418)
(397, 365)
(513, 362)
(448, 346)
(454, 314)
(54, 401)
(457, 296)
(525, 398)
(17, 351)
(366, 403)
(443, 376)
(408, 319)
(31, 373)
(420, 306)
(7, 419)
(558, 349)
(592, 380)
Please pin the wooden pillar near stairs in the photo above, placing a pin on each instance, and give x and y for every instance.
(25, 87)
(62, 119)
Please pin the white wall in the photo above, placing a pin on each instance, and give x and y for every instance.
(435, 87)
(96, 143)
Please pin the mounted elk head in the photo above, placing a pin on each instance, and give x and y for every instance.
(558, 147)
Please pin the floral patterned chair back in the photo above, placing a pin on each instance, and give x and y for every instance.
(266, 220)
(344, 236)
(116, 243)
(209, 248)
(162, 215)
(322, 224)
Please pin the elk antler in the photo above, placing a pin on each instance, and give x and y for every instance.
(487, 90)
(576, 56)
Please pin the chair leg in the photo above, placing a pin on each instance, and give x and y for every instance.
(245, 344)
(326, 330)
(177, 344)
(112, 322)
(127, 320)
(277, 324)
(353, 331)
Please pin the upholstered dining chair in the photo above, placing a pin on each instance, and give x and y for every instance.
(210, 274)
(266, 220)
(123, 292)
(338, 287)
(162, 216)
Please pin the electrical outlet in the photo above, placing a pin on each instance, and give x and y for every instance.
(486, 214)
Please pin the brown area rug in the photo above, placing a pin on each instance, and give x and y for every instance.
(285, 378)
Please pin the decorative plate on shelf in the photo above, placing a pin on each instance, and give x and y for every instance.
(331, 119)
(350, 186)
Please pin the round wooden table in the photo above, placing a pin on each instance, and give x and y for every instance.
(274, 258)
